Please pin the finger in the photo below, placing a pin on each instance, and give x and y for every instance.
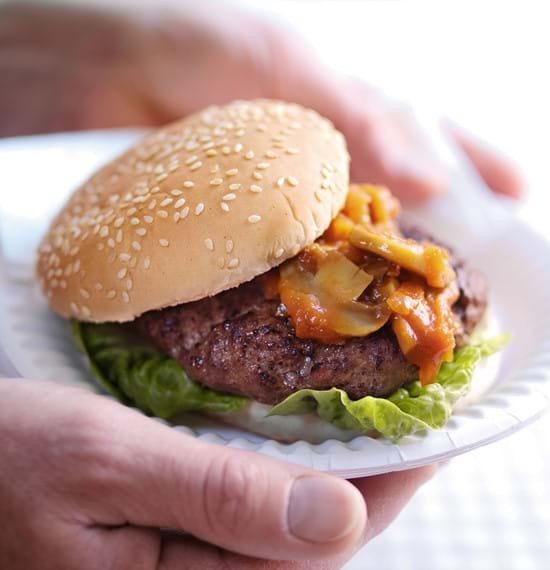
(387, 494)
(187, 553)
(497, 171)
(150, 475)
(383, 149)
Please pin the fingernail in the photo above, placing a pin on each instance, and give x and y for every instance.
(323, 509)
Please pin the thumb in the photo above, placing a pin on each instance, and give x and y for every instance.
(154, 476)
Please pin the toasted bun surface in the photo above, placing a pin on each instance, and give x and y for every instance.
(201, 205)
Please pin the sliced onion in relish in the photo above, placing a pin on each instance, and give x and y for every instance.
(424, 324)
(428, 260)
(323, 302)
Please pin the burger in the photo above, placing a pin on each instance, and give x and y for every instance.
(226, 266)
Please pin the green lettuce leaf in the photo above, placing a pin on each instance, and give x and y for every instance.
(138, 374)
(410, 409)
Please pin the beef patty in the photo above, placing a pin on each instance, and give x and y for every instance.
(240, 342)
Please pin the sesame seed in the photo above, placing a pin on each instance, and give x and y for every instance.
(85, 293)
(184, 213)
(74, 307)
(155, 190)
(76, 266)
(191, 159)
(207, 146)
(214, 169)
(211, 152)
(224, 206)
(111, 294)
(164, 242)
(325, 184)
(318, 196)
(176, 192)
(119, 237)
(229, 245)
(136, 245)
(216, 181)
(279, 252)
(329, 166)
(254, 218)
(255, 188)
(199, 209)
(292, 150)
(292, 180)
(152, 204)
(166, 202)
(131, 211)
(229, 197)
(125, 297)
(234, 186)
(179, 203)
(118, 222)
(262, 165)
(261, 128)
(129, 284)
(188, 184)
(281, 181)
(100, 246)
(233, 263)
(177, 217)
(121, 274)
(147, 263)
(232, 172)
(226, 150)
(238, 147)
(278, 145)
(124, 256)
(86, 311)
(325, 172)
(257, 176)
(162, 214)
(141, 232)
(221, 262)
(196, 165)
(104, 232)
(270, 154)
(162, 177)
(249, 155)
(134, 221)
(239, 133)
(148, 219)
(98, 287)
(209, 244)
(278, 138)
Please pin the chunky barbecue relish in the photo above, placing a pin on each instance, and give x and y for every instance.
(362, 274)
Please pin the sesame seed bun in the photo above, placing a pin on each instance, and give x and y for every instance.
(201, 205)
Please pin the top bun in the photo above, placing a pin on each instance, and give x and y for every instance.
(199, 206)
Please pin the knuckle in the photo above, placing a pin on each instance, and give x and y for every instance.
(233, 494)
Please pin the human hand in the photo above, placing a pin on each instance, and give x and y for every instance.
(73, 68)
(87, 483)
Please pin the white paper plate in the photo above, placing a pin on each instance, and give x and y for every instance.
(514, 258)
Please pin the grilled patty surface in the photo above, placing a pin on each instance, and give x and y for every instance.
(240, 342)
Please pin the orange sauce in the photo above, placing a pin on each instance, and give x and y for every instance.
(424, 324)
(416, 296)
